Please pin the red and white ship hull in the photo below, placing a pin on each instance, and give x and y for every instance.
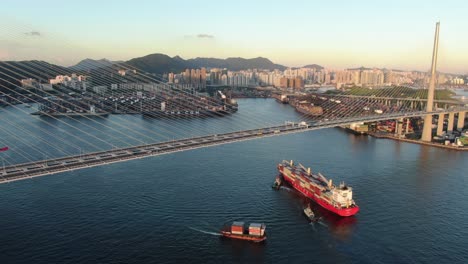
(318, 199)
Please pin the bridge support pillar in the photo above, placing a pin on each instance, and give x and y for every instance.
(440, 125)
(396, 127)
(399, 127)
(451, 121)
(461, 121)
(427, 129)
(407, 126)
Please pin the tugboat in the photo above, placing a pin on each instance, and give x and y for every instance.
(255, 232)
(310, 214)
(277, 184)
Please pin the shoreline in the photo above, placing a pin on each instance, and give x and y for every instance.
(431, 144)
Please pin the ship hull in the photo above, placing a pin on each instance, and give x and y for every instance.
(341, 212)
(282, 101)
(243, 237)
(58, 114)
(355, 132)
(308, 113)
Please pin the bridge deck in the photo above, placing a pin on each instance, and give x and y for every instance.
(53, 166)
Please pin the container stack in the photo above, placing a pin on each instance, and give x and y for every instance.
(237, 228)
(256, 229)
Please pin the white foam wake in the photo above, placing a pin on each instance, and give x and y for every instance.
(205, 232)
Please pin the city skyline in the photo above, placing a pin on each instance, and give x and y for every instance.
(345, 36)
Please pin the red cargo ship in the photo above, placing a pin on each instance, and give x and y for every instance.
(338, 200)
(255, 232)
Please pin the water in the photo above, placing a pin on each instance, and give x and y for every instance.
(167, 209)
(461, 95)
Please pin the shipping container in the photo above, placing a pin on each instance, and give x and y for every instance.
(236, 223)
(256, 229)
(237, 230)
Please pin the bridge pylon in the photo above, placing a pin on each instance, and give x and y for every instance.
(427, 128)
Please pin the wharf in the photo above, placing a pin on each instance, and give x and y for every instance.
(431, 144)
(74, 114)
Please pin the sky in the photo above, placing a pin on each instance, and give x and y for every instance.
(335, 34)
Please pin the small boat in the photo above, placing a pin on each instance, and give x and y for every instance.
(277, 184)
(310, 214)
(255, 232)
(27, 105)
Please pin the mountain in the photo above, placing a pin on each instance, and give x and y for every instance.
(161, 63)
(11, 72)
(362, 68)
(313, 66)
(90, 64)
(236, 64)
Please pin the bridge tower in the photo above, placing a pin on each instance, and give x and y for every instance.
(427, 128)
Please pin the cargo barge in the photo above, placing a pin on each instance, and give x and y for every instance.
(64, 112)
(357, 128)
(308, 109)
(337, 199)
(281, 98)
(71, 114)
(255, 232)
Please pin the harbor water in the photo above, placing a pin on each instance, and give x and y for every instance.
(169, 209)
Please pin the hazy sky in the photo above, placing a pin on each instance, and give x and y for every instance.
(335, 34)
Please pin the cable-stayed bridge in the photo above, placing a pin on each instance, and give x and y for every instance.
(66, 109)
(52, 166)
(74, 116)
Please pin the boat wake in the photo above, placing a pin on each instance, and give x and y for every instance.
(322, 223)
(286, 188)
(205, 232)
(313, 226)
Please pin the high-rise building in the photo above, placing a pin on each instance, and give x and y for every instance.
(170, 77)
(203, 78)
(298, 83)
(388, 76)
(284, 82)
(187, 76)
